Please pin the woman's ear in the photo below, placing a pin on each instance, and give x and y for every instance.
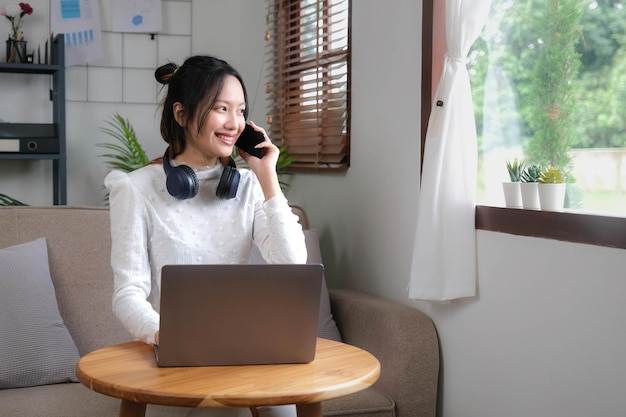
(180, 114)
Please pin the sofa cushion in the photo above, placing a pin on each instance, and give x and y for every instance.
(36, 347)
(327, 328)
(79, 248)
(58, 400)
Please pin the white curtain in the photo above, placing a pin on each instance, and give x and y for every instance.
(444, 254)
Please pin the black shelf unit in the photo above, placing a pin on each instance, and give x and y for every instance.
(42, 141)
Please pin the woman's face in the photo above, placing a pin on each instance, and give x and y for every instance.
(221, 128)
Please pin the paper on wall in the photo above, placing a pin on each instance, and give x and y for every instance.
(79, 20)
(142, 16)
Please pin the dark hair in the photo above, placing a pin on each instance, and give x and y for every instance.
(196, 85)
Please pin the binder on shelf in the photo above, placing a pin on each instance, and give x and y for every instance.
(33, 138)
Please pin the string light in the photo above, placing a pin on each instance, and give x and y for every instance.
(268, 87)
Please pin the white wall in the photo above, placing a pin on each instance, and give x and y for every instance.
(547, 333)
(544, 337)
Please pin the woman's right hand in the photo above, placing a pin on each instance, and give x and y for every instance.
(156, 338)
(265, 168)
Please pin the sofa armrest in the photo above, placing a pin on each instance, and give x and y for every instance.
(402, 338)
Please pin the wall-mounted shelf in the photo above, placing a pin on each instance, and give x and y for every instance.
(42, 140)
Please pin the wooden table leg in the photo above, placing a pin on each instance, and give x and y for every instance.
(309, 410)
(132, 409)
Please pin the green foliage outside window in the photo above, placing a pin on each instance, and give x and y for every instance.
(551, 90)
(531, 30)
(549, 77)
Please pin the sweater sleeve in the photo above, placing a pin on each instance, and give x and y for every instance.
(129, 258)
(277, 232)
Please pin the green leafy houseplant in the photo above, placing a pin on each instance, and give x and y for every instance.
(515, 169)
(282, 166)
(128, 154)
(5, 200)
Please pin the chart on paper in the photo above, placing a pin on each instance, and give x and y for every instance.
(79, 20)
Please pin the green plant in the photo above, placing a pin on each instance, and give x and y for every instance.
(551, 175)
(515, 169)
(5, 200)
(282, 166)
(551, 95)
(128, 155)
(531, 173)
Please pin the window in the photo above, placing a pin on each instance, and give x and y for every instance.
(308, 84)
(548, 83)
(578, 227)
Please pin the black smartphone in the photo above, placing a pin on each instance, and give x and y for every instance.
(248, 139)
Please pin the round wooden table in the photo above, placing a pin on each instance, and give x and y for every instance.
(129, 371)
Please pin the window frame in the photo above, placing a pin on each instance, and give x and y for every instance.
(302, 67)
(567, 226)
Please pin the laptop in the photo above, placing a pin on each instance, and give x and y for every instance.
(238, 314)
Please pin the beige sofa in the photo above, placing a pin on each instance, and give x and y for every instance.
(402, 338)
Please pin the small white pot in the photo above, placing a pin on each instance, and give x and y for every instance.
(530, 195)
(512, 194)
(551, 196)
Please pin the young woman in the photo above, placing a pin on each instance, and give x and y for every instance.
(193, 206)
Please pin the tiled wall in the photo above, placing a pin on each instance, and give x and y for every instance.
(125, 73)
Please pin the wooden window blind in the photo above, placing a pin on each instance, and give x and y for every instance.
(308, 84)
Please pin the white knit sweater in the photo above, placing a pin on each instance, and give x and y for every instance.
(150, 228)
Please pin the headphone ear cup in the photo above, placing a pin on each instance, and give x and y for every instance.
(229, 182)
(182, 182)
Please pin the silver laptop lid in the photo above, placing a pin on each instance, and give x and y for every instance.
(238, 314)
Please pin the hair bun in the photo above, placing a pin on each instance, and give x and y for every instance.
(164, 73)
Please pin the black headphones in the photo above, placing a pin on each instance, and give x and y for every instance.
(182, 181)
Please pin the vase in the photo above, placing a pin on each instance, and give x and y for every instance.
(512, 194)
(530, 195)
(16, 51)
(551, 196)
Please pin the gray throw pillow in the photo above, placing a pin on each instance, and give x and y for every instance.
(327, 328)
(35, 347)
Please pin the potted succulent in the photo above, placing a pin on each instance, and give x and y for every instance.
(512, 193)
(551, 187)
(529, 187)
